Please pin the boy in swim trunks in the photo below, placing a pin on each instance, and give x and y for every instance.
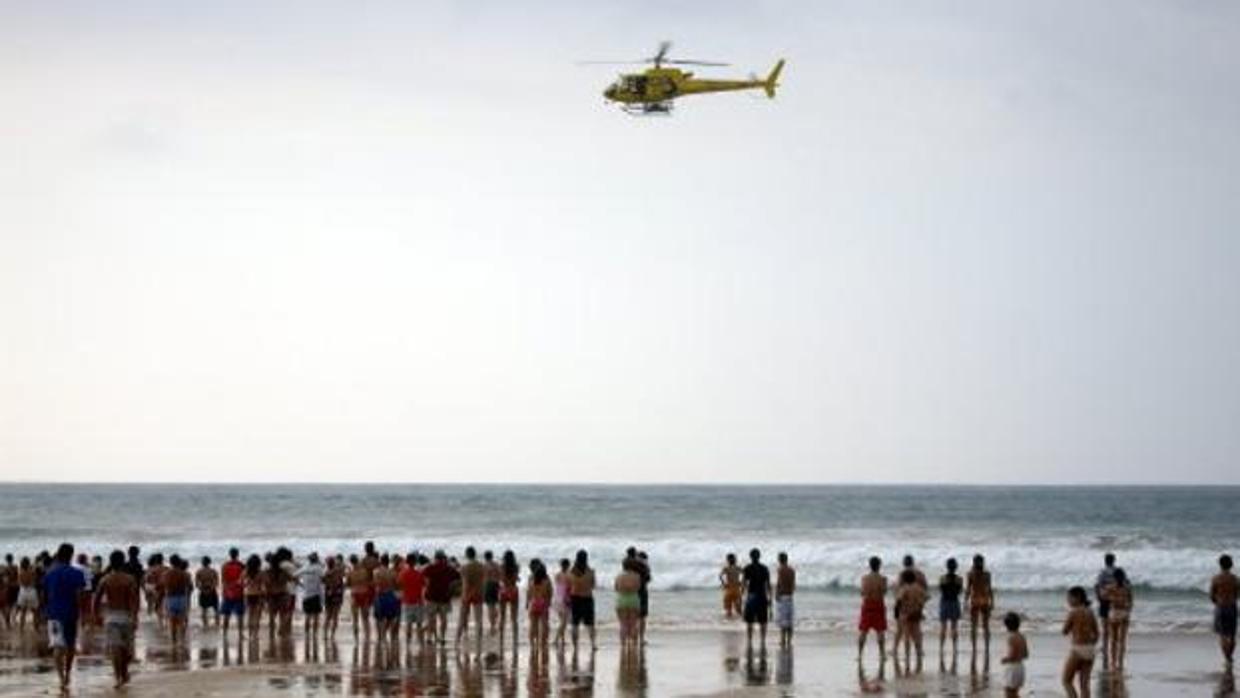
(1082, 628)
(1223, 590)
(1014, 661)
(873, 609)
(785, 587)
(730, 582)
(980, 594)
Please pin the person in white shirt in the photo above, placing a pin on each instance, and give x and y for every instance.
(310, 577)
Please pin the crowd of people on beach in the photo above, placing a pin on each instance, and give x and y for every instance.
(390, 594)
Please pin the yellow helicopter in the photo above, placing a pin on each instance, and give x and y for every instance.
(651, 92)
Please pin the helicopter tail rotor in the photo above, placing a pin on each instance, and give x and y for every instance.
(772, 80)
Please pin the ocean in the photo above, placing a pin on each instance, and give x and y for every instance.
(1037, 540)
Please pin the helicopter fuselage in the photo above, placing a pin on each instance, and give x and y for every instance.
(661, 85)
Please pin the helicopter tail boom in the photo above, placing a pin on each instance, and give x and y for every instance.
(771, 81)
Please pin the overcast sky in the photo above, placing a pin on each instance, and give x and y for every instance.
(968, 242)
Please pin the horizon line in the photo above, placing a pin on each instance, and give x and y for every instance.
(605, 483)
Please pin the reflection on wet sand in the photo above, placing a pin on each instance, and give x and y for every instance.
(631, 678)
(875, 684)
(783, 667)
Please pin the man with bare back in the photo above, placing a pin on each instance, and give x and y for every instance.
(473, 578)
(873, 609)
(207, 581)
(117, 597)
(1223, 593)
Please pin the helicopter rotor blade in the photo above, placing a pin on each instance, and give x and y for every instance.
(638, 62)
(690, 62)
(664, 47)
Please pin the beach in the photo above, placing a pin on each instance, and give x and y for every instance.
(1038, 541)
(675, 663)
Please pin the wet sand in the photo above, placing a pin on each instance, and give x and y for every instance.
(675, 663)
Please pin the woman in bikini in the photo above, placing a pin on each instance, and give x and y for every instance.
(363, 593)
(981, 597)
(628, 604)
(333, 590)
(255, 590)
(1119, 595)
(1081, 627)
(538, 595)
(509, 594)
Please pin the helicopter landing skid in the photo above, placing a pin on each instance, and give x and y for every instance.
(649, 109)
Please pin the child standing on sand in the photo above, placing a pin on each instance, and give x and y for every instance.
(1014, 661)
(730, 582)
(1081, 627)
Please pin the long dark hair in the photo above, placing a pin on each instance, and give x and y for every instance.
(511, 569)
(582, 564)
(253, 565)
(539, 570)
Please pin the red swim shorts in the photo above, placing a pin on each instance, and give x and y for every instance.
(873, 616)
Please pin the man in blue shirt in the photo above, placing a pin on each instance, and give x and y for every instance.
(62, 584)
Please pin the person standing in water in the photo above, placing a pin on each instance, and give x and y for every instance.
(412, 598)
(490, 590)
(911, 599)
(757, 579)
(310, 579)
(561, 601)
(333, 594)
(207, 581)
(980, 594)
(509, 593)
(177, 586)
(1081, 627)
(473, 578)
(62, 584)
(873, 610)
(362, 593)
(950, 587)
(785, 611)
(1106, 578)
(118, 599)
(581, 597)
(232, 573)
(1119, 597)
(628, 605)
(730, 582)
(538, 593)
(1223, 592)
(440, 579)
(642, 565)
